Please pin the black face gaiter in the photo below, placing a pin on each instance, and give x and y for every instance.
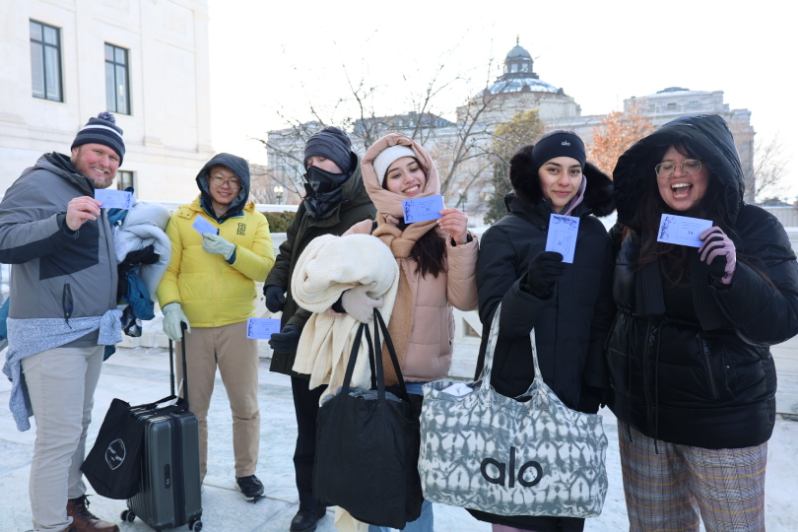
(323, 191)
(321, 181)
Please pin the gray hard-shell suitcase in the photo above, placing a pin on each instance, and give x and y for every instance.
(170, 479)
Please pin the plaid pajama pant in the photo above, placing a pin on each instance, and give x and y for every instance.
(667, 489)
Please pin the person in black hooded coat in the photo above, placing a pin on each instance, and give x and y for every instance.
(689, 359)
(568, 305)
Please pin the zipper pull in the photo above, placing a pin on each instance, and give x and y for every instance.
(67, 304)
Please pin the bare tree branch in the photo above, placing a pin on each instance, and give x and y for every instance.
(769, 167)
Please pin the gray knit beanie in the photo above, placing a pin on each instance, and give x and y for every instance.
(331, 143)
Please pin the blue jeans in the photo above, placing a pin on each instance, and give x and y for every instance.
(422, 524)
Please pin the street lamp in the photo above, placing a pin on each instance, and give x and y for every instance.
(278, 192)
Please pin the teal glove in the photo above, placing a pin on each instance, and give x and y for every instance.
(216, 244)
(173, 316)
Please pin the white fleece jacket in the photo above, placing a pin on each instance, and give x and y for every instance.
(327, 267)
(145, 224)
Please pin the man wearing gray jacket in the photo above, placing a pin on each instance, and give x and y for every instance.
(63, 313)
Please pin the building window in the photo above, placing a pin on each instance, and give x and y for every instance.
(117, 84)
(45, 61)
(126, 179)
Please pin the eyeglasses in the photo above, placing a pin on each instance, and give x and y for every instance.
(232, 182)
(688, 166)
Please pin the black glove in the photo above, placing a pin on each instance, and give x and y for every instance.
(144, 255)
(275, 298)
(286, 340)
(593, 398)
(132, 260)
(543, 271)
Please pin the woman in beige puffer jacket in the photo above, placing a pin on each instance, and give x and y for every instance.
(437, 262)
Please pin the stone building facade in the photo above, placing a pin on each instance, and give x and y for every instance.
(147, 62)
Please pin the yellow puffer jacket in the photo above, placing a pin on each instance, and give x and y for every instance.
(211, 291)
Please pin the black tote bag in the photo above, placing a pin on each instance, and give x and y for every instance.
(113, 466)
(367, 444)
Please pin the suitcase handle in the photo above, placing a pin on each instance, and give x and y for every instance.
(150, 406)
(172, 378)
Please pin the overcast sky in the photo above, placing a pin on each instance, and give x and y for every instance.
(269, 59)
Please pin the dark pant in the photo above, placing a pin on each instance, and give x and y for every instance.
(306, 407)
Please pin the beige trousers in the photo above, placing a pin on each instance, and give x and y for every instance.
(236, 356)
(61, 384)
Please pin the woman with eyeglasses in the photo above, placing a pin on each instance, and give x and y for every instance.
(689, 357)
(220, 247)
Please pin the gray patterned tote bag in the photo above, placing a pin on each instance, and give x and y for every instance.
(484, 451)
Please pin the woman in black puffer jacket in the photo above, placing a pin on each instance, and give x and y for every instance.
(689, 357)
(568, 305)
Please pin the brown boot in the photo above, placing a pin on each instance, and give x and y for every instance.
(85, 521)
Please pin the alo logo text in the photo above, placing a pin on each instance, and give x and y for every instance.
(509, 471)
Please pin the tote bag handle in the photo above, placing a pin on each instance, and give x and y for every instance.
(375, 356)
(493, 338)
(379, 324)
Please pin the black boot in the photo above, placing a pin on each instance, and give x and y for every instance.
(251, 487)
(305, 519)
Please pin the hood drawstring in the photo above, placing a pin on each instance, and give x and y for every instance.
(576, 200)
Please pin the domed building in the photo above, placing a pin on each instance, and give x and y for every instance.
(462, 149)
(519, 89)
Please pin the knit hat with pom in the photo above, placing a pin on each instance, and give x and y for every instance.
(102, 129)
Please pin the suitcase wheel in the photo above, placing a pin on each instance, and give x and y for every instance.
(195, 525)
(128, 515)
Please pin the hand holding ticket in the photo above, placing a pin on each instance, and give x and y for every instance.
(562, 234)
(204, 227)
(262, 328)
(682, 230)
(114, 199)
(422, 209)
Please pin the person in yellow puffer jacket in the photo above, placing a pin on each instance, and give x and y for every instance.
(210, 286)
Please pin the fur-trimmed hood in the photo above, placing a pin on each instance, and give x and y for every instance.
(598, 198)
(711, 140)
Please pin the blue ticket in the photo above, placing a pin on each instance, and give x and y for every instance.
(203, 226)
(682, 230)
(561, 238)
(262, 328)
(423, 209)
(114, 199)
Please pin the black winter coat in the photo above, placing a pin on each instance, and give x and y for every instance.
(700, 375)
(572, 324)
(355, 207)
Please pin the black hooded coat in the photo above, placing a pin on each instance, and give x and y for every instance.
(571, 325)
(692, 365)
